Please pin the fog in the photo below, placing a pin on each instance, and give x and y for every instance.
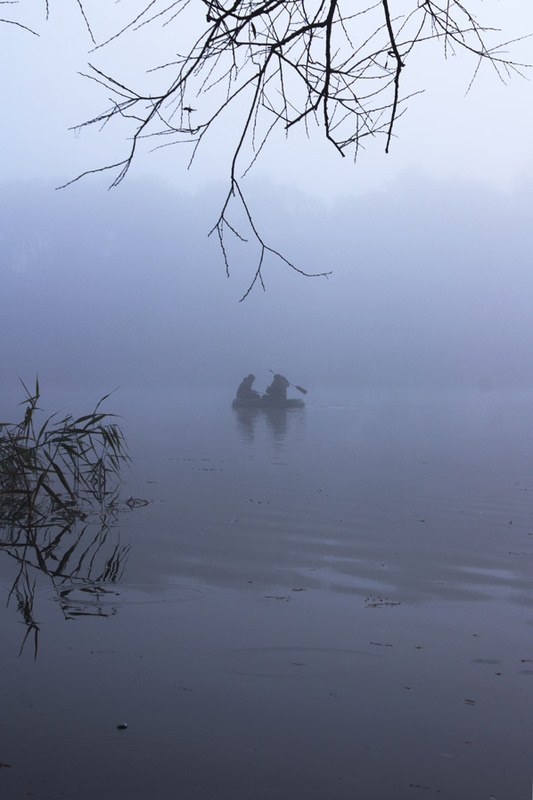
(329, 601)
(428, 246)
(429, 287)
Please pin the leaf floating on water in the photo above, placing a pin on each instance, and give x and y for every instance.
(377, 602)
(425, 788)
(136, 502)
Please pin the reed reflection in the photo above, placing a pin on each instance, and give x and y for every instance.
(88, 556)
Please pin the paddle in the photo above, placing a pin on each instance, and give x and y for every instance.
(294, 385)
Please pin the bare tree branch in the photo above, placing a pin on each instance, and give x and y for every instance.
(265, 65)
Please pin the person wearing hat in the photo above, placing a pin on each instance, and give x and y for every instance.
(277, 391)
(245, 390)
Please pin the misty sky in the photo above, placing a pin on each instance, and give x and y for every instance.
(429, 245)
(447, 132)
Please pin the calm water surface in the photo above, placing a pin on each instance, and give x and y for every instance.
(330, 603)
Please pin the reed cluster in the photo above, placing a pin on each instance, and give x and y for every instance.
(58, 467)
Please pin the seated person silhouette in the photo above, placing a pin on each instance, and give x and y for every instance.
(277, 391)
(245, 390)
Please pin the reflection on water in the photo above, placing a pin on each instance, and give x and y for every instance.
(363, 630)
(397, 502)
(86, 554)
(105, 599)
(275, 419)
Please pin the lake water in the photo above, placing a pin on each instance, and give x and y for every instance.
(332, 603)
